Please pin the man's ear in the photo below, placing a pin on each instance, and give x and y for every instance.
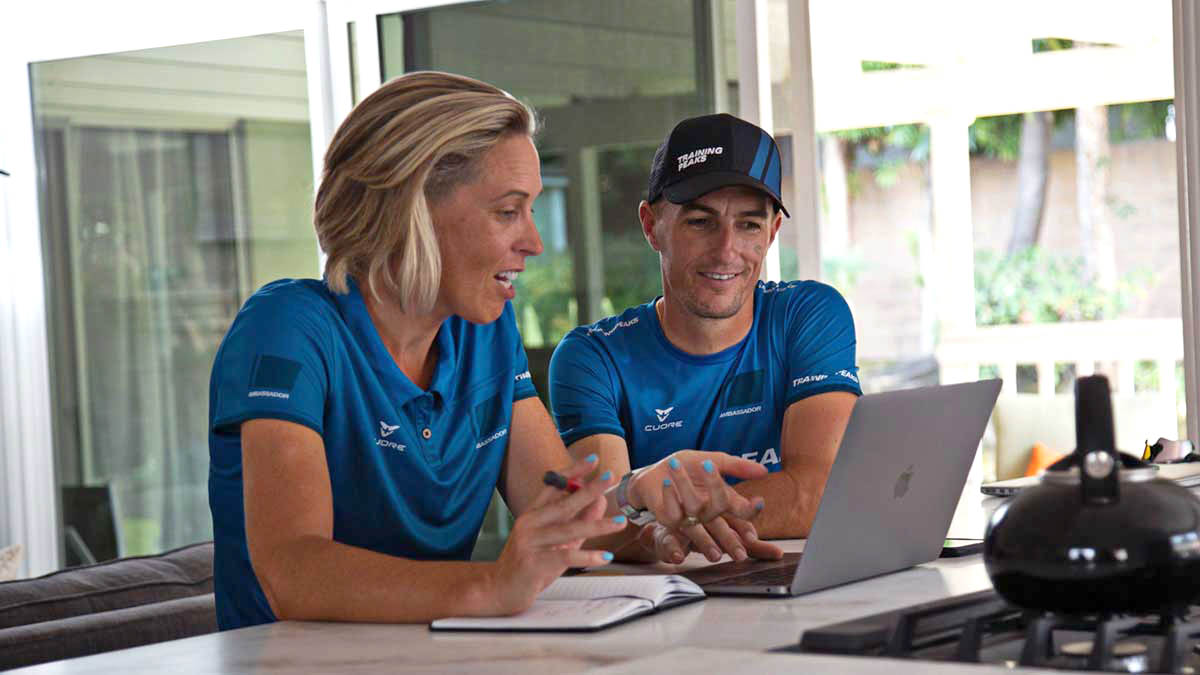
(646, 215)
(776, 222)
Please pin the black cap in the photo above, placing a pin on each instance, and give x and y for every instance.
(708, 153)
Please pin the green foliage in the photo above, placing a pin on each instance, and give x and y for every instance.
(841, 272)
(998, 136)
(545, 294)
(1138, 121)
(1037, 286)
(545, 305)
(632, 274)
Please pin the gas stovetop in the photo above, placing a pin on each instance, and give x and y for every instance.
(982, 628)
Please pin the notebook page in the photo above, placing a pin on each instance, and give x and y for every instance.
(552, 614)
(652, 587)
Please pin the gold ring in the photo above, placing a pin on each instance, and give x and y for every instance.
(690, 521)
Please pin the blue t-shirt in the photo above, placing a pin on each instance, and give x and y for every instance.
(411, 471)
(622, 376)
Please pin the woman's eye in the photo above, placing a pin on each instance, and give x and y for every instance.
(509, 214)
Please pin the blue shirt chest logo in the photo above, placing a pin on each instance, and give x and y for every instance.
(386, 430)
(664, 421)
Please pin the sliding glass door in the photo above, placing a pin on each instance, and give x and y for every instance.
(173, 183)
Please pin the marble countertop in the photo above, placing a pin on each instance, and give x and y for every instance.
(718, 634)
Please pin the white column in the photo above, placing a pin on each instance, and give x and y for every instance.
(321, 121)
(952, 270)
(953, 276)
(1186, 25)
(366, 54)
(806, 199)
(754, 87)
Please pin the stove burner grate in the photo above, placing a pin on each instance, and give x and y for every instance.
(981, 627)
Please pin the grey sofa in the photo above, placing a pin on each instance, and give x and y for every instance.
(111, 605)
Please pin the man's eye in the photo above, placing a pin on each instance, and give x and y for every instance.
(753, 226)
(699, 222)
(509, 214)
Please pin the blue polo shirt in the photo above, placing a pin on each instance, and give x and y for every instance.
(411, 471)
(622, 376)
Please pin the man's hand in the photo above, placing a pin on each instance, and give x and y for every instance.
(687, 492)
(731, 534)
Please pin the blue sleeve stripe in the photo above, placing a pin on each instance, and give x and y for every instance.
(823, 389)
(223, 424)
(579, 433)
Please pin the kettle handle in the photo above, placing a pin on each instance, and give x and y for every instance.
(1095, 441)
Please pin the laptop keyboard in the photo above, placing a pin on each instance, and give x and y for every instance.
(748, 572)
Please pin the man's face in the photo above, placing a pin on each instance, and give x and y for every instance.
(712, 248)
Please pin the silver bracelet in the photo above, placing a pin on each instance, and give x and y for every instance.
(635, 515)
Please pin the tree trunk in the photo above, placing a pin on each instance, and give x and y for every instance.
(1033, 173)
(1093, 160)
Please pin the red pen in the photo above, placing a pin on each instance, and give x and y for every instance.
(555, 479)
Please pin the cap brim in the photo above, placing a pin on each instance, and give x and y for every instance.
(697, 186)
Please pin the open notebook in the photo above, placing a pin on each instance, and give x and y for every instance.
(587, 603)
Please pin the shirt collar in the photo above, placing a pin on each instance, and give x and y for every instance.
(354, 312)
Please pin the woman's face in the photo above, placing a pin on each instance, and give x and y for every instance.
(485, 231)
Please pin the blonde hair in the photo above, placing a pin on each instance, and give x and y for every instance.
(407, 145)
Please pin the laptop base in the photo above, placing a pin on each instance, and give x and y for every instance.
(771, 578)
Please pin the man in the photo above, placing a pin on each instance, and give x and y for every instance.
(722, 361)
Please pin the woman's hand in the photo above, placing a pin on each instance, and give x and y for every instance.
(687, 492)
(663, 543)
(546, 539)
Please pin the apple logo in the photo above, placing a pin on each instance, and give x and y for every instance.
(901, 488)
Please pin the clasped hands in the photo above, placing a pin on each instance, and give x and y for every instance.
(697, 510)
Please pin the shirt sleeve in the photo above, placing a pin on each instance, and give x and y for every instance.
(271, 364)
(583, 391)
(821, 343)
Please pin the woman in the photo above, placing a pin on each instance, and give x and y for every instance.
(360, 423)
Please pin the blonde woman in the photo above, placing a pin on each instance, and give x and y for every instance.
(359, 423)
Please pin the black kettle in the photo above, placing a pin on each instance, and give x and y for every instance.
(1101, 534)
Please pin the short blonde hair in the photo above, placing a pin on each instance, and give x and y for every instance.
(407, 145)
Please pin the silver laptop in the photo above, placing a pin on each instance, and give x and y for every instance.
(889, 498)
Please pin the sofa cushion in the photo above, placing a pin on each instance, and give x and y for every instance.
(105, 631)
(117, 584)
(1024, 419)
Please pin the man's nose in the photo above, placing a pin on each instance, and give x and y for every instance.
(726, 241)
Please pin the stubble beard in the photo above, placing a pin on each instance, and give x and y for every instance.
(702, 311)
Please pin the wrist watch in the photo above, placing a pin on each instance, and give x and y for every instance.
(635, 515)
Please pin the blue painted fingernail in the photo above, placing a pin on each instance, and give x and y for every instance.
(708, 466)
(674, 463)
(606, 475)
(760, 506)
(591, 459)
(666, 482)
(620, 520)
(607, 556)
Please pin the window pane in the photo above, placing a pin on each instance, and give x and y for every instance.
(609, 80)
(1004, 200)
(175, 182)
